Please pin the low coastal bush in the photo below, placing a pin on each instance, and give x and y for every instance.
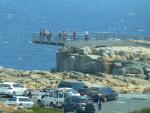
(39, 110)
(145, 110)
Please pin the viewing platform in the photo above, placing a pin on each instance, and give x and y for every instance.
(101, 39)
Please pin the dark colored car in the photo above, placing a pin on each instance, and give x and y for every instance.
(106, 93)
(76, 85)
(46, 90)
(79, 104)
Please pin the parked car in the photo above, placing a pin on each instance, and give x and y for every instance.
(12, 89)
(46, 90)
(69, 91)
(20, 101)
(106, 93)
(76, 85)
(44, 98)
(56, 97)
(78, 104)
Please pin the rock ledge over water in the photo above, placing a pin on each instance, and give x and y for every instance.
(127, 61)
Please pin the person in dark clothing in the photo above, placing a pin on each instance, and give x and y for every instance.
(41, 35)
(41, 32)
(97, 100)
(63, 36)
(99, 103)
(60, 36)
(29, 95)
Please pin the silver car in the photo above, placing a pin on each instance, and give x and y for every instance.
(20, 101)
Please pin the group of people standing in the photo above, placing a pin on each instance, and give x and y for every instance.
(46, 33)
(62, 36)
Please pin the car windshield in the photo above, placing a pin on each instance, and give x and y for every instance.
(67, 94)
(24, 100)
(94, 89)
(78, 85)
(74, 91)
(13, 99)
(65, 84)
(61, 95)
(106, 89)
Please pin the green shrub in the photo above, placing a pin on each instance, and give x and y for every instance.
(145, 110)
(40, 110)
(134, 112)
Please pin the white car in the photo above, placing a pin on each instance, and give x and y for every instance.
(69, 91)
(56, 97)
(20, 101)
(12, 89)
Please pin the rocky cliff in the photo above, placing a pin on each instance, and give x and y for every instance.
(129, 61)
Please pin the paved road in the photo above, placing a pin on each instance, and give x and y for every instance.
(125, 104)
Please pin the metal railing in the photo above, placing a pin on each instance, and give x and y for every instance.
(93, 39)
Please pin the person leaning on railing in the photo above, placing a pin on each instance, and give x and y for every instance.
(41, 35)
(49, 36)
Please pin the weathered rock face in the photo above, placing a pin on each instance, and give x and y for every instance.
(40, 79)
(129, 69)
(83, 63)
(133, 61)
(138, 69)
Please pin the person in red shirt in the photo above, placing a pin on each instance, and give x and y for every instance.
(74, 35)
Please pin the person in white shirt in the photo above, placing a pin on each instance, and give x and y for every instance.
(86, 35)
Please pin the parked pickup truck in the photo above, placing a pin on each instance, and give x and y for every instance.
(56, 97)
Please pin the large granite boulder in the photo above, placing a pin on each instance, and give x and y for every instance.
(133, 61)
(83, 63)
(85, 51)
(147, 70)
(134, 69)
(131, 68)
(119, 71)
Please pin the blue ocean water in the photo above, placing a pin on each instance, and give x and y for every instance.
(20, 18)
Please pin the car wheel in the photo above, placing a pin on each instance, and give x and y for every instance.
(20, 104)
(104, 99)
(51, 105)
(39, 103)
(74, 111)
(116, 97)
(25, 93)
(13, 94)
(63, 109)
